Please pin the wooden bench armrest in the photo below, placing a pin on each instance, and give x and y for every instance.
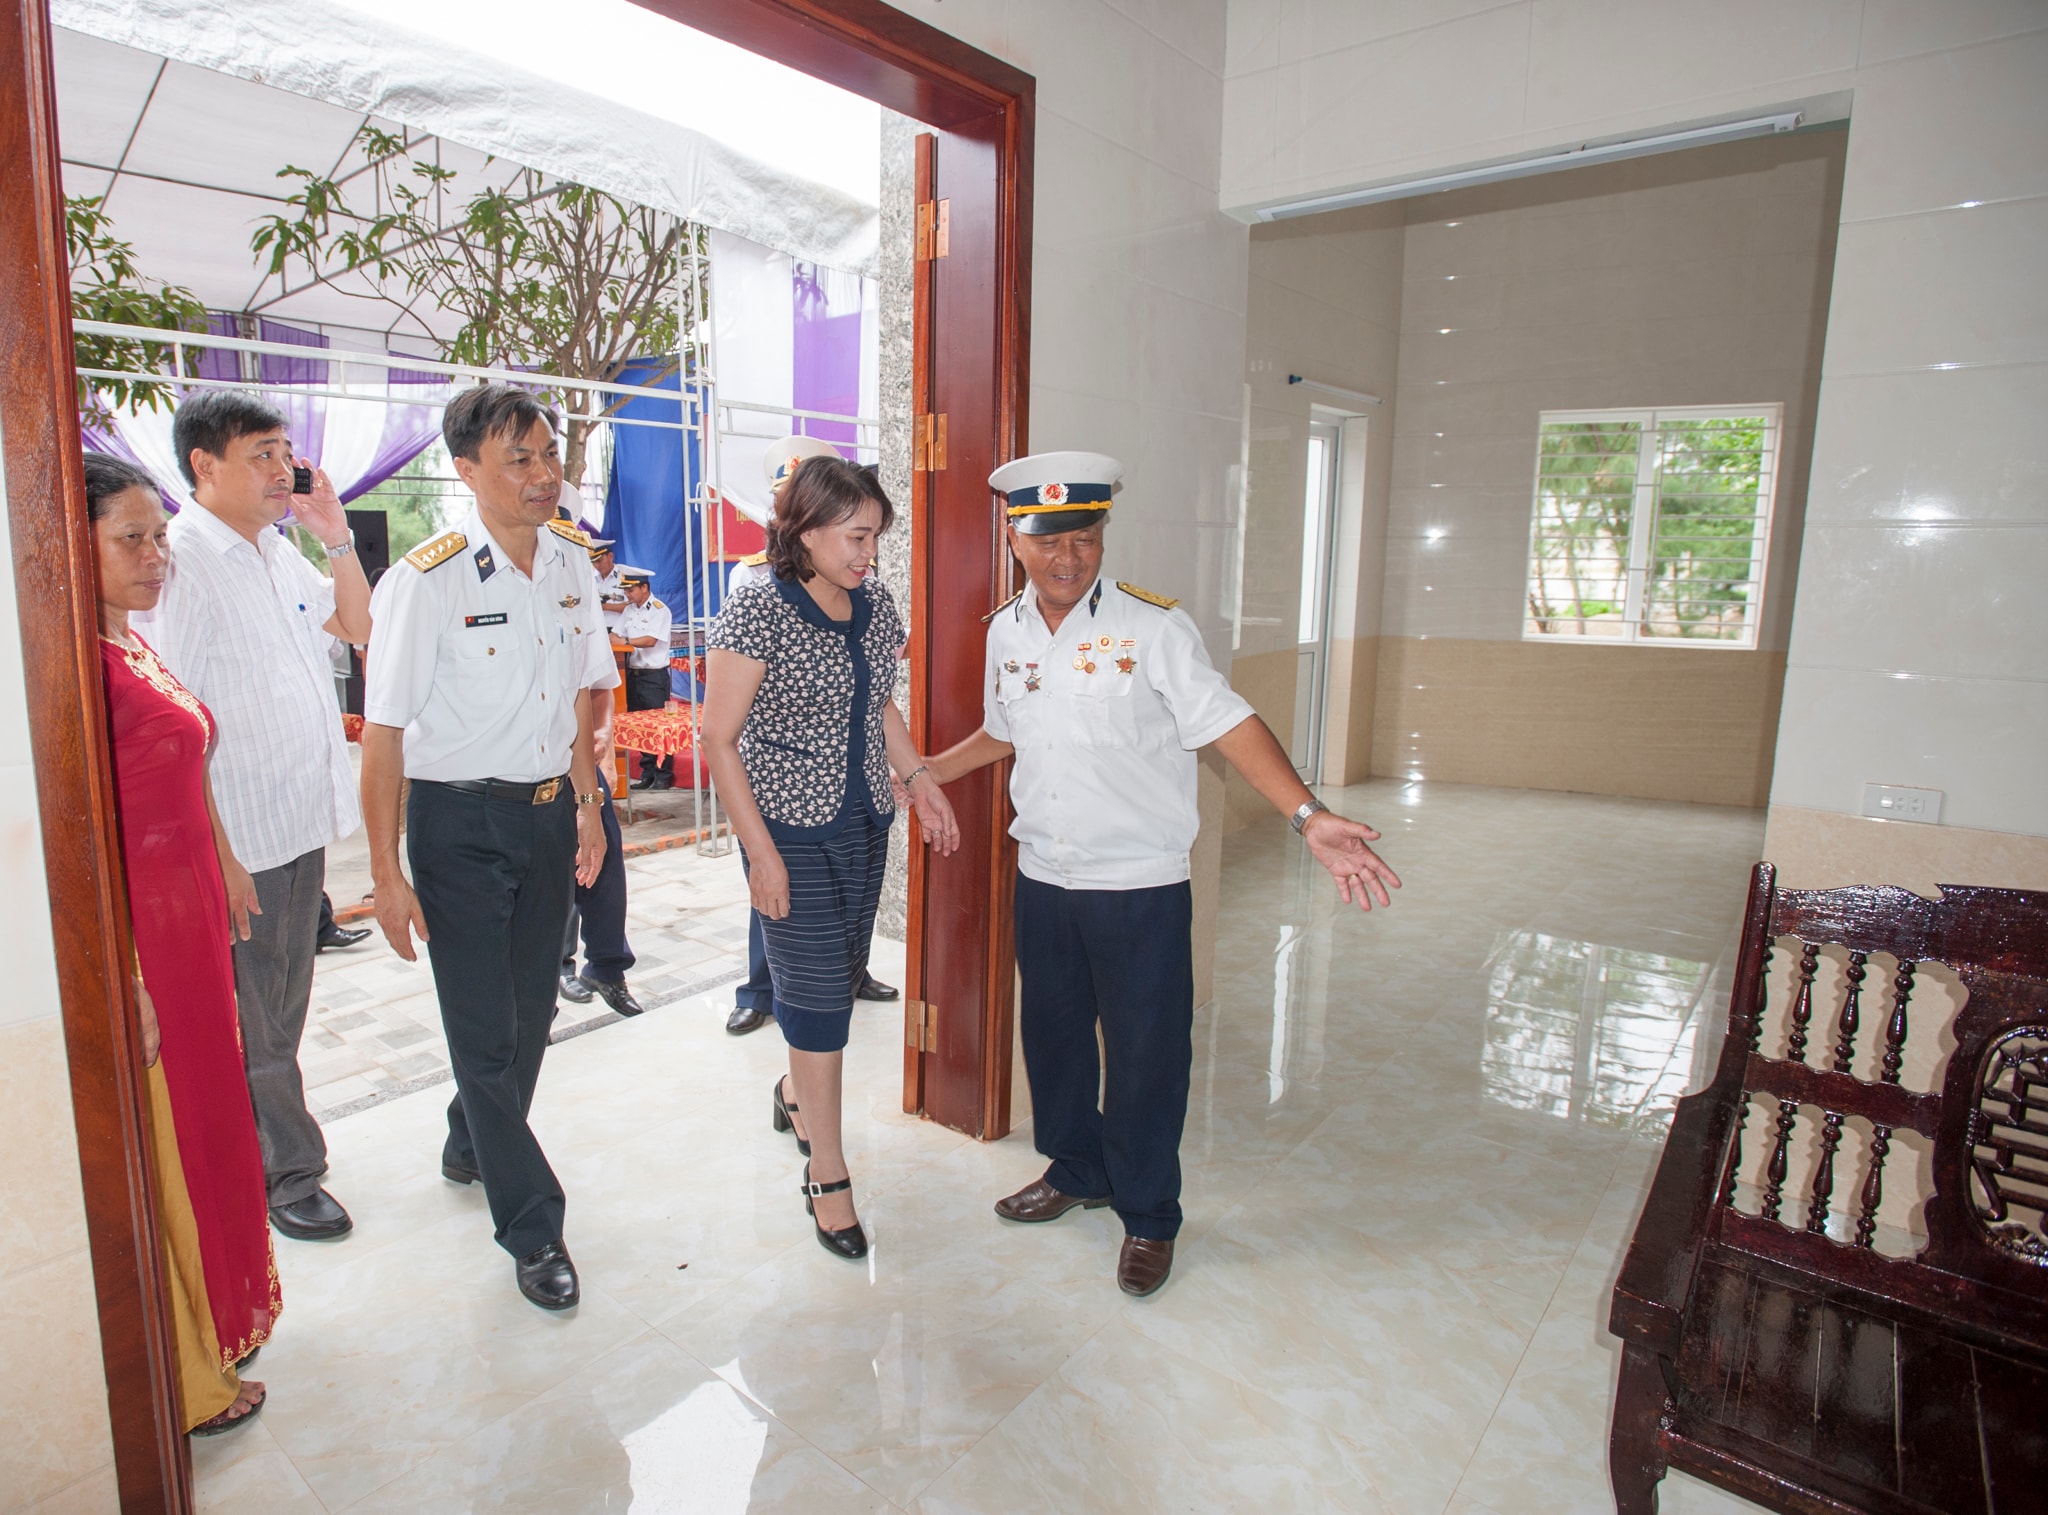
(1655, 1283)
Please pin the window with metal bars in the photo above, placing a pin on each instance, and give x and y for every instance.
(1651, 526)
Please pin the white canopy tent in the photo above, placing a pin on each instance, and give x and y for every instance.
(180, 115)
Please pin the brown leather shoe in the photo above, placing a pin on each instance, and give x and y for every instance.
(1039, 1200)
(1143, 1264)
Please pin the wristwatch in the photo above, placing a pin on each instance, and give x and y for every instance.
(1300, 818)
(342, 548)
(591, 799)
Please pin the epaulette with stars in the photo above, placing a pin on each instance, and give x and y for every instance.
(569, 531)
(1013, 599)
(433, 554)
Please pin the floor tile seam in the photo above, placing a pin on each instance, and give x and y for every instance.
(774, 1419)
(1054, 1372)
(481, 1426)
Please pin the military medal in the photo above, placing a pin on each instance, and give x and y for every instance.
(1103, 643)
(1031, 678)
(1011, 666)
(1126, 662)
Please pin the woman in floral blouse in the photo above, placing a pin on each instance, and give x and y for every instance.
(801, 735)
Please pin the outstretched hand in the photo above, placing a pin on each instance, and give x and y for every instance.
(1339, 844)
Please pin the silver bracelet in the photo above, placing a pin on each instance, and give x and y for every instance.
(911, 777)
(342, 548)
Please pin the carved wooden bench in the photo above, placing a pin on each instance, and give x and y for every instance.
(1770, 1345)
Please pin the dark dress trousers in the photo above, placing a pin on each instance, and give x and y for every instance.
(494, 879)
(1119, 957)
(600, 910)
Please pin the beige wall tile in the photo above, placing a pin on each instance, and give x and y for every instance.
(1347, 728)
(53, 1397)
(1822, 849)
(1652, 722)
(1267, 681)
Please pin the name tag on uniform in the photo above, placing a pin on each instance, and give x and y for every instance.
(484, 620)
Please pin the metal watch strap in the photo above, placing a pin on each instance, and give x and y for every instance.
(596, 798)
(1301, 817)
(342, 548)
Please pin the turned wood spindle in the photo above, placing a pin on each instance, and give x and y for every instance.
(1788, 1109)
(1756, 1042)
(1831, 1127)
(1881, 1136)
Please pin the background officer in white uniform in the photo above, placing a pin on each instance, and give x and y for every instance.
(1103, 692)
(644, 626)
(488, 640)
(753, 999)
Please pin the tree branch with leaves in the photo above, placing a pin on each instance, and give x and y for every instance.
(540, 273)
(107, 286)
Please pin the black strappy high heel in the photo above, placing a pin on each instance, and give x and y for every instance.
(781, 1115)
(852, 1243)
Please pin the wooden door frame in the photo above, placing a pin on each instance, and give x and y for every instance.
(860, 45)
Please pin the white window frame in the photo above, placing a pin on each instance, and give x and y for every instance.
(1643, 522)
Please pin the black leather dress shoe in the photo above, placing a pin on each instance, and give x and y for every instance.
(645, 781)
(618, 996)
(873, 988)
(548, 1278)
(315, 1218)
(745, 1018)
(340, 936)
(575, 989)
(460, 1172)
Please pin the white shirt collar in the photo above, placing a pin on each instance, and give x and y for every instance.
(547, 550)
(215, 532)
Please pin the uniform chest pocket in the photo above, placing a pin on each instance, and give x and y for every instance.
(1103, 713)
(475, 648)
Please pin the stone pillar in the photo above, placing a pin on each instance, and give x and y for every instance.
(899, 225)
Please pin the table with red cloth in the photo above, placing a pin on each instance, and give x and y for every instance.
(659, 733)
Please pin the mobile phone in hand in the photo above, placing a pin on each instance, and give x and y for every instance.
(302, 479)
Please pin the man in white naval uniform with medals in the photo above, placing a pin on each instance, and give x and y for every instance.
(754, 995)
(488, 640)
(1102, 692)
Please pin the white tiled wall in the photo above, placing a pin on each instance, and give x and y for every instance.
(1138, 280)
(53, 1398)
(1917, 650)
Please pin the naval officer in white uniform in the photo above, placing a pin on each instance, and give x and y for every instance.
(1103, 692)
(488, 641)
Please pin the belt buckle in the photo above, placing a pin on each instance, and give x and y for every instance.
(545, 793)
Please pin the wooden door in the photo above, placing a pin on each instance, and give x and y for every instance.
(959, 1003)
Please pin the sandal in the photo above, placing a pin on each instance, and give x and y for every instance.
(781, 1114)
(227, 1420)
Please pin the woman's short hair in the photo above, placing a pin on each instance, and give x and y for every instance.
(106, 477)
(822, 492)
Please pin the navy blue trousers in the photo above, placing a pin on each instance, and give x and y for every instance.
(600, 910)
(758, 992)
(493, 879)
(1122, 958)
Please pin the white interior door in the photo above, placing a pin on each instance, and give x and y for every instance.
(1318, 519)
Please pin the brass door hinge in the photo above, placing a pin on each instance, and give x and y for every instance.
(920, 1025)
(934, 229)
(928, 444)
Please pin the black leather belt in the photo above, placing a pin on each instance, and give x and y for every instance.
(542, 793)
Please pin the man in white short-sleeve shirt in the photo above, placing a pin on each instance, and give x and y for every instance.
(1103, 692)
(489, 642)
(246, 623)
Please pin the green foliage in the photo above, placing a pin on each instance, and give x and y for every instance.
(541, 273)
(1696, 548)
(107, 286)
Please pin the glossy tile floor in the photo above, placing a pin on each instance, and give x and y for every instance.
(1415, 1147)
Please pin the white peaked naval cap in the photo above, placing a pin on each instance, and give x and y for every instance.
(1051, 492)
(783, 454)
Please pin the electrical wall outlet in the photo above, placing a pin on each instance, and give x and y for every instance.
(1894, 802)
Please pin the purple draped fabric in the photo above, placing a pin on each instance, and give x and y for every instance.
(825, 355)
